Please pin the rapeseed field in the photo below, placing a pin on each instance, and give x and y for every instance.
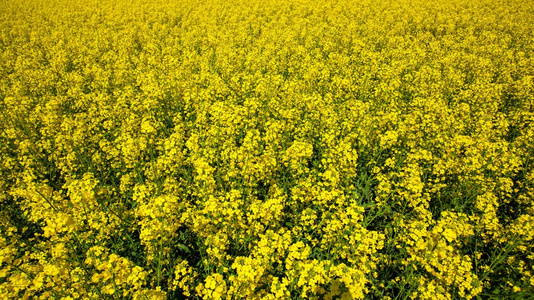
(263, 149)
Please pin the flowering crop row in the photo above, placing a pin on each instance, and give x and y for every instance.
(263, 149)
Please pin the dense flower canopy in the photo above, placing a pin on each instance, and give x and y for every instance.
(263, 149)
